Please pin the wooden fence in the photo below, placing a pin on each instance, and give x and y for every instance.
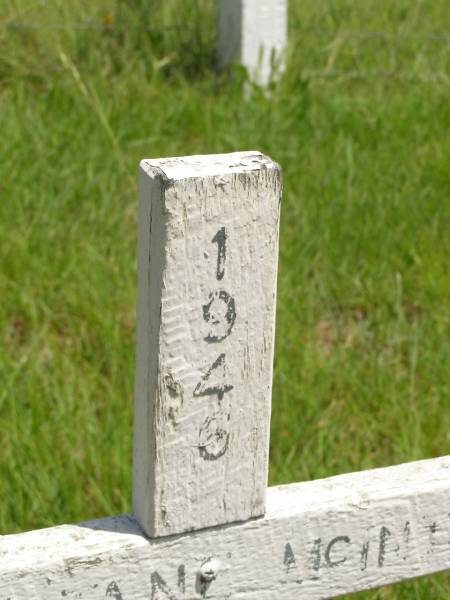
(204, 524)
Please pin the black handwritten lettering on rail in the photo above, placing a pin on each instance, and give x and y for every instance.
(159, 588)
(220, 314)
(380, 550)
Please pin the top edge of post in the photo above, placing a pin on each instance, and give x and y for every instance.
(207, 165)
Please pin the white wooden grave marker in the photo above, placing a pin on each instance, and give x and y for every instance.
(253, 32)
(208, 254)
(208, 231)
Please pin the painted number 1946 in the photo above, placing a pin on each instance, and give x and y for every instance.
(219, 313)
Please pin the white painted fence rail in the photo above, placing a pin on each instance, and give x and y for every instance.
(208, 240)
(318, 539)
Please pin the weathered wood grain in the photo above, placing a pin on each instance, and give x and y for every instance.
(253, 32)
(208, 254)
(317, 540)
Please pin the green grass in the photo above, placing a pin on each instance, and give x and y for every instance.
(360, 123)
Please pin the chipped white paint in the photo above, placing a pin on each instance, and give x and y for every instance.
(319, 539)
(253, 32)
(208, 242)
(208, 253)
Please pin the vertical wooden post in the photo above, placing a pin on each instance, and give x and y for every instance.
(253, 32)
(207, 264)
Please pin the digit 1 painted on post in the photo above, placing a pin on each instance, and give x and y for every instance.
(220, 238)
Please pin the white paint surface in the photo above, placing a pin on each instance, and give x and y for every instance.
(253, 32)
(320, 539)
(208, 253)
(317, 540)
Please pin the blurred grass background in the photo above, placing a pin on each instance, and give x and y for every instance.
(360, 123)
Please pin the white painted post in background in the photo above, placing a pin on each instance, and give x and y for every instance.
(208, 253)
(253, 32)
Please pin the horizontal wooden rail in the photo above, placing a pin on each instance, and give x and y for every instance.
(318, 539)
